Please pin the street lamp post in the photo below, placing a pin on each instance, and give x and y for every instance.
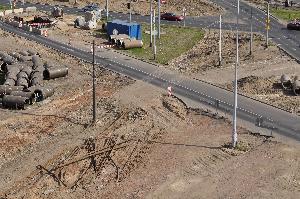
(234, 132)
(251, 34)
(106, 10)
(158, 31)
(94, 85)
(151, 22)
(130, 10)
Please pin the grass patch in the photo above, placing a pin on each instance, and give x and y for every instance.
(3, 7)
(285, 14)
(176, 41)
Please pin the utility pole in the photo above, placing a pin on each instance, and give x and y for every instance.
(10, 3)
(154, 36)
(130, 11)
(184, 14)
(234, 133)
(106, 6)
(94, 86)
(251, 34)
(268, 25)
(220, 42)
(151, 20)
(158, 19)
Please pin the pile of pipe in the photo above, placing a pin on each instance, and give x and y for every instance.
(288, 83)
(125, 42)
(24, 75)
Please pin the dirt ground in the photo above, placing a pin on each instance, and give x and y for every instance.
(261, 71)
(156, 147)
(194, 7)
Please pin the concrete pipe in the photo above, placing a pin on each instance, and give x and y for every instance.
(15, 102)
(9, 60)
(286, 81)
(32, 52)
(30, 95)
(9, 82)
(36, 61)
(24, 53)
(12, 73)
(22, 74)
(4, 67)
(36, 81)
(2, 55)
(22, 82)
(132, 44)
(25, 58)
(41, 93)
(114, 38)
(16, 55)
(120, 42)
(37, 74)
(52, 73)
(49, 64)
(6, 90)
(27, 70)
(296, 87)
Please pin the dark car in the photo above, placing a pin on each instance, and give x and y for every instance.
(91, 7)
(171, 17)
(294, 25)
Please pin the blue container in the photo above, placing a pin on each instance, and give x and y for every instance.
(133, 30)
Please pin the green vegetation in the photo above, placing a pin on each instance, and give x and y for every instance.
(173, 43)
(3, 7)
(285, 14)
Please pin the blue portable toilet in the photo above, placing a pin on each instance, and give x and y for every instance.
(133, 30)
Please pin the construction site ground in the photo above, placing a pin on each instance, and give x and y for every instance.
(259, 74)
(193, 7)
(161, 147)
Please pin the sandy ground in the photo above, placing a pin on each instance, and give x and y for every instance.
(194, 7)
(267, 65)
(168, 150)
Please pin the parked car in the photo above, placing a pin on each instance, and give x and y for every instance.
(171, 17)
(294, 25)
(91, 7)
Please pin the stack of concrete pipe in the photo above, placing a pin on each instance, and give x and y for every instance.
(24, 75)
(124, 41)
(288, 83)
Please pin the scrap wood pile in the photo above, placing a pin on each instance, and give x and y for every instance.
(24, 73)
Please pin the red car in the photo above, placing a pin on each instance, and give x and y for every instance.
(171, 17)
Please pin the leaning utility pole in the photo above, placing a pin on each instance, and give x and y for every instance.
(234, 133)
(151, 20)
(158, 19)
(220, 42)
(106, 6)
(268, 25)
(94, 85)
(251, 34)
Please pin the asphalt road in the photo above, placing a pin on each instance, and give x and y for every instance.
(288, 40)
(200, 92)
